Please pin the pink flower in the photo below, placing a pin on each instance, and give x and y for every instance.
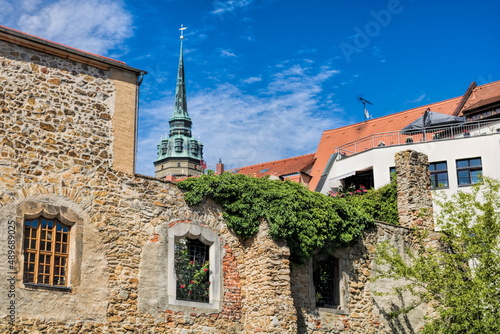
(205, 269)
(182, 286)
(191, 262)
(191, 282)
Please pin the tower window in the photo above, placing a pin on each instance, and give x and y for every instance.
(194, 147)
(178, 145)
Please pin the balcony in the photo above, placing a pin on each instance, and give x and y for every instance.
(450, 132)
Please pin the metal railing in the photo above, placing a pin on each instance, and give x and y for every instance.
(461, 130)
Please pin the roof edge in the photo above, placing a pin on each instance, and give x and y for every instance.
(61, 50)
(268, 162)
(391, 115)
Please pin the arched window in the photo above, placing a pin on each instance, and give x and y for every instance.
(46, 249)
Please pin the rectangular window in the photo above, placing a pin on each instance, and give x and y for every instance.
(46, 249)
(469, 171)
(439, 175)
(392, 172)
(192, 270)
(326, 282)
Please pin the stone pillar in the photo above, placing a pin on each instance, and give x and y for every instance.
(267, 304)
(414, 194)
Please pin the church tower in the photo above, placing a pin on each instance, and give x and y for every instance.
(179, 154)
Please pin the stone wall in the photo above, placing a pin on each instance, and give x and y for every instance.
(366, 303)
(58, 157)
(414, 190)
(58, 147)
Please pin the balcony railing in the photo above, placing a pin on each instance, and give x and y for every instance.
(462, 130)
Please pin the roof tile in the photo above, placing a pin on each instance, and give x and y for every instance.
(279, 167)
(394, 122)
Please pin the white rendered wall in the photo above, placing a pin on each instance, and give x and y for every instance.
(380, 159)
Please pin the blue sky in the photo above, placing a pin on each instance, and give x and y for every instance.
(266, 77)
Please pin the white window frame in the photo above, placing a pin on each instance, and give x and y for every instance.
(208, 237)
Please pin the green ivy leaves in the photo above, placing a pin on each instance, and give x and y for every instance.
(308, 221)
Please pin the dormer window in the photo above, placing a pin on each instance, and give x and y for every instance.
(178, 145)
(194, 147)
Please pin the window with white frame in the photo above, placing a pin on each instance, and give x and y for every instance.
(194, 266)
(192, 270)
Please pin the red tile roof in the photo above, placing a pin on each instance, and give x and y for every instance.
(395, 122)
(278, 168)
(482, 96)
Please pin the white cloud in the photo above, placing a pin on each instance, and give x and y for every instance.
(97, 26)
(227, 53)
(223, 6)
(377, 52)
(245, 129)
(419, 99)
(252, 80)
(30, 5)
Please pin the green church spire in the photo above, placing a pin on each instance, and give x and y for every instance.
(179, 154)
(180, 109)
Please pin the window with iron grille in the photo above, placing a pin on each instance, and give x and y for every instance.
(326, 281)
(192, 270)
(469, 171)
(439, 175)
(46, 249)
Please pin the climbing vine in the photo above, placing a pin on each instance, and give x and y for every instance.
(307, 220)
(380, 204)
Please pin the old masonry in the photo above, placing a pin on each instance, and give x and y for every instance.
(89, 246)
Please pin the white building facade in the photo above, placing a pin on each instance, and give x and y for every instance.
(455, 162)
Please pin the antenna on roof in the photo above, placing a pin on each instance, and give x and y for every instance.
(365, 111)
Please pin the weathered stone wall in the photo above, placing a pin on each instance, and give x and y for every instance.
(58, 155)
(366, 304)
(363, 310)
(268, 306)
(414, 194)
(56, 148)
